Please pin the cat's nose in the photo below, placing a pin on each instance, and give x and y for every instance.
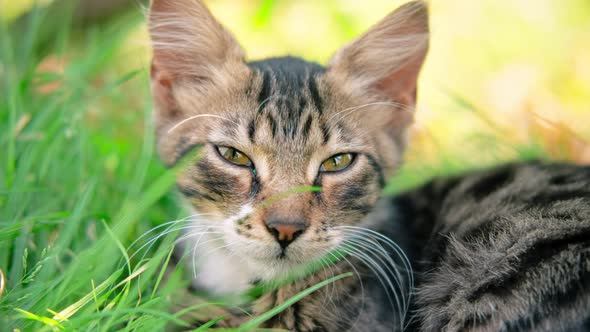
(285, 233)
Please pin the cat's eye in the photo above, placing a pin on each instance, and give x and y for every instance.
(337, 162)
(234, 156)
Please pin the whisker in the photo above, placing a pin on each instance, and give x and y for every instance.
(180, 123)
(360, 280)
(327, 267)
(175, 226)
(372, 243)
(196, 233)
(153, 229)
(407, 267)
(347, 111)
(210, 251)
(172, 227)
(381, 275)
(196, 246)
(367, 238)
(328, 298)
(389, 265)
(189, 218)
(152, 241)
(390, 243)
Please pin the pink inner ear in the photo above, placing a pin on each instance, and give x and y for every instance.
(401, 85)
(161, 83)
(387, 59)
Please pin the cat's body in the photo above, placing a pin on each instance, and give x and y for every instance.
(292, 161)
(507, 249)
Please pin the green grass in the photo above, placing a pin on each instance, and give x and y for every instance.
(76, 187)
(79, 182)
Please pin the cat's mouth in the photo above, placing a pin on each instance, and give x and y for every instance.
(296, 256)
(282, 254)
(285, 256)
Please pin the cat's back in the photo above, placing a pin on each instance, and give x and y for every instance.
(503, 249)
(532, 190)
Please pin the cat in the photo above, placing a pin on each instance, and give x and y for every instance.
(291, 161)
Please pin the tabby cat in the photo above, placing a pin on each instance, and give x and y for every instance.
(292, 159)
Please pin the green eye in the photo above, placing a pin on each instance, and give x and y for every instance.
(337, 162)
(234, 156)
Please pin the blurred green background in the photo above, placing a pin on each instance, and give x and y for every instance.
(499, 73)
(79, 181)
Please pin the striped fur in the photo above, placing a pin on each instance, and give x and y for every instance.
(481, 244)
(506, 249)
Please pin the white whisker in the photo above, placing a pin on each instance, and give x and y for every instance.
(369, 241)
(383, 260)
(381, 275)
(169, 230)
(327, 267)
(394, 246)
(360, 280)
(180, 123)
(347, 111)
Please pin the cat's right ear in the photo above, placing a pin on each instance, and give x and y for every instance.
(386, 60)
(189, 45)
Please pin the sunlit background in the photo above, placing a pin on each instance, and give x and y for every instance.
(504, 80)
(500, 76)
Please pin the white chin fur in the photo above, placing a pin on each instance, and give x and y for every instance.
(217, 269)
(221, 273)
(224, 273)
(225, 265)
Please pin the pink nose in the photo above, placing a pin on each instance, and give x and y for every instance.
(285, 233)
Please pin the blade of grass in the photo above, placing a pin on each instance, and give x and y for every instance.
(162, 272)
(74, 307)
(278, 309)
(45, 320)
(210, 323)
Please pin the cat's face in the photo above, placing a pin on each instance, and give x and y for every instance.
(288, 150)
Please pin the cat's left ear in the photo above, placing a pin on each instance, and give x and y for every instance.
(387, 59)
(190, 47)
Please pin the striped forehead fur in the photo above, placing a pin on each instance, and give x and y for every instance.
(288, 96)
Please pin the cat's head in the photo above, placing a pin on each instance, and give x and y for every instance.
(269, 129)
